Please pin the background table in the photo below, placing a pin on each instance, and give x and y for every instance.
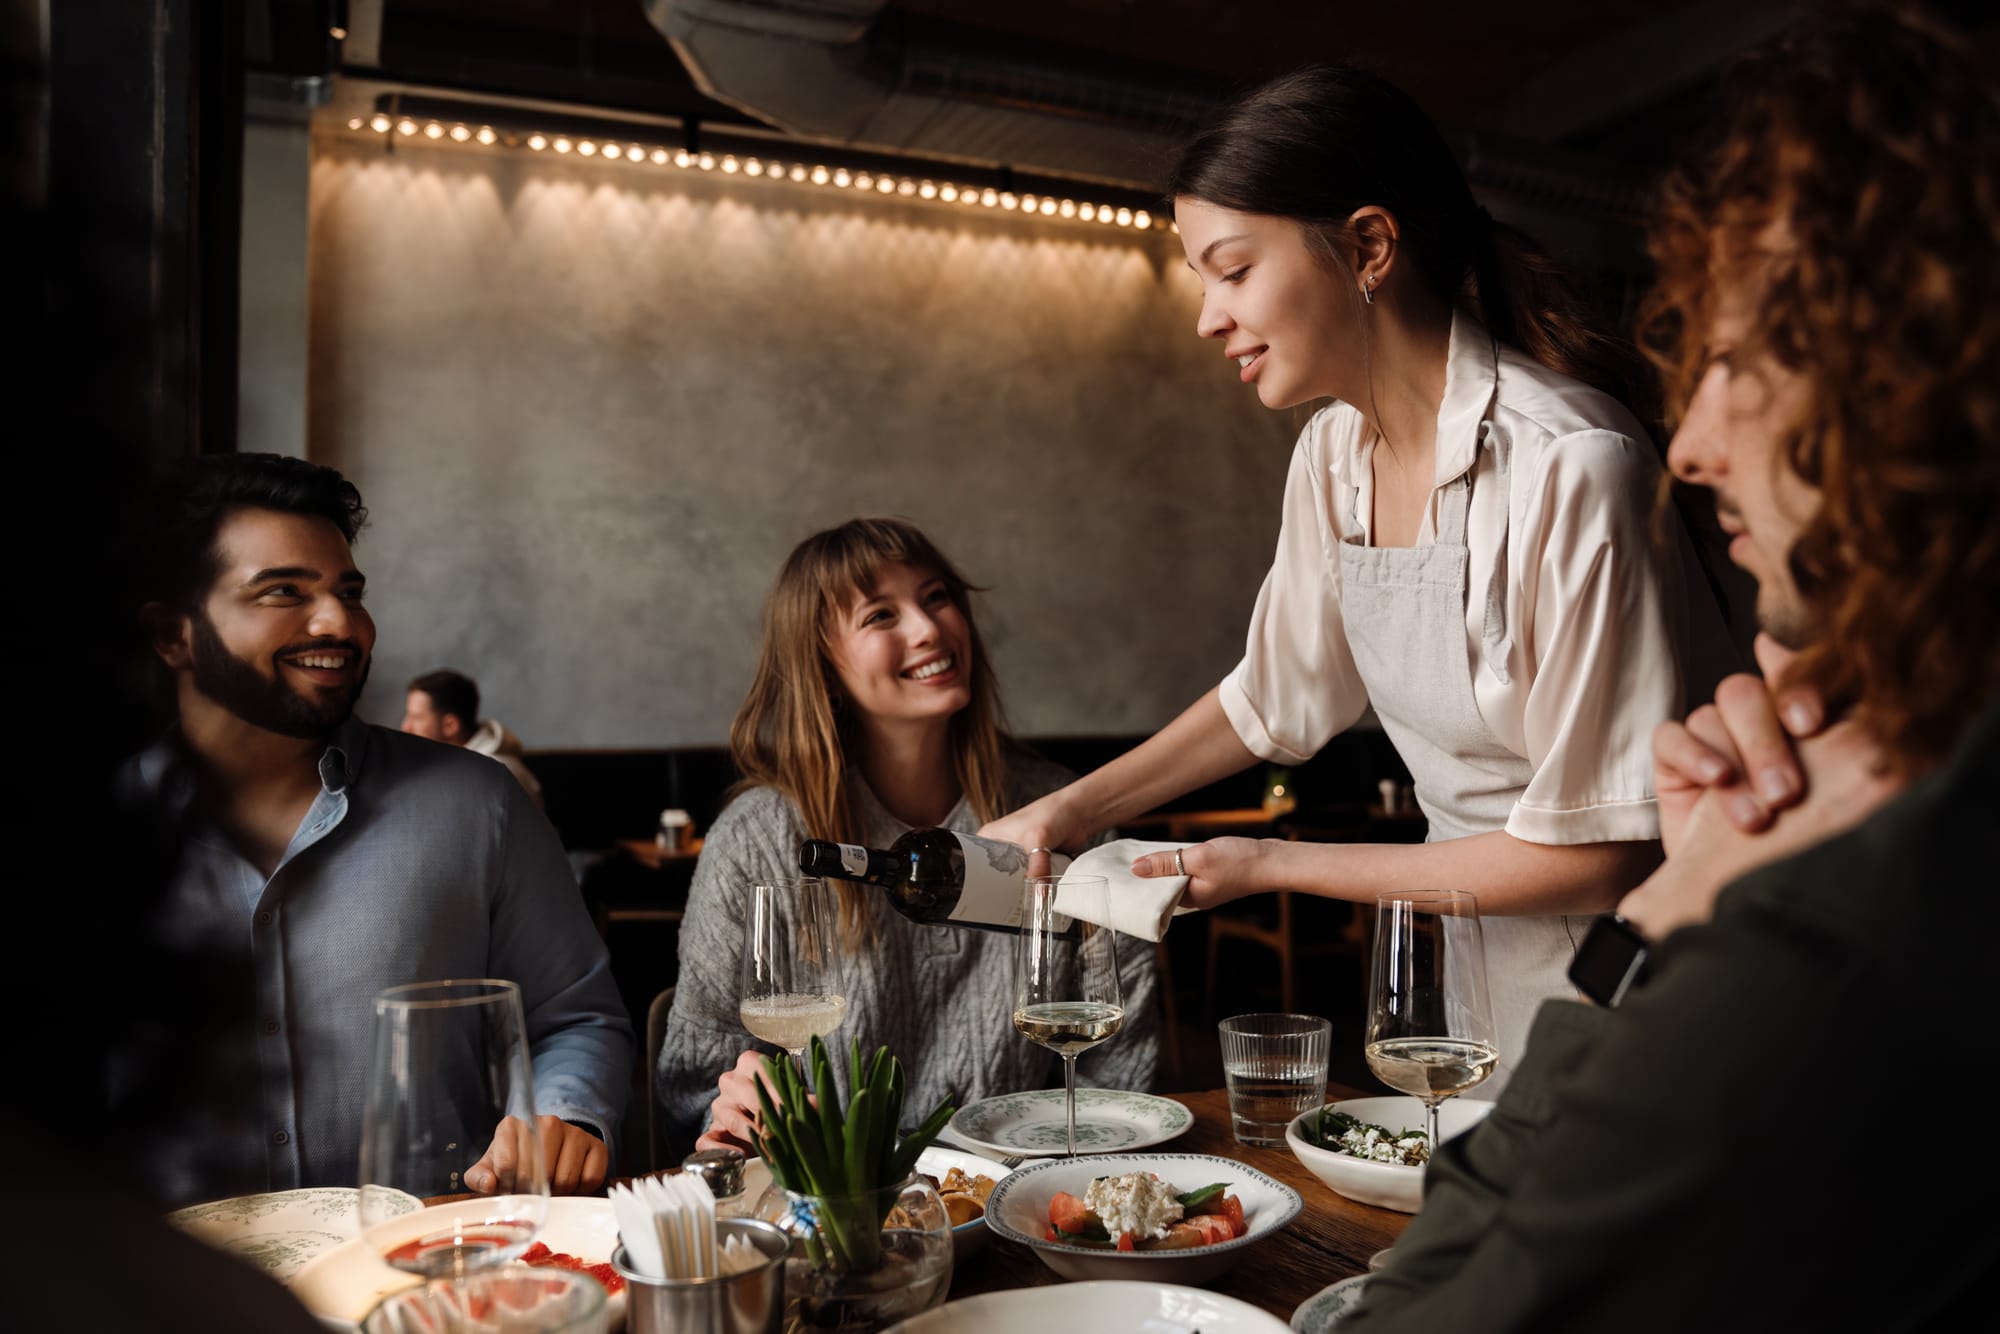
(1331, 1239)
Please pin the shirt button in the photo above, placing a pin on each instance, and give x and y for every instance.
(282, 1137)
(264, 918)
(270, 1028)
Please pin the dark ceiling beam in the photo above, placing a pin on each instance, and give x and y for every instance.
(1637, 68)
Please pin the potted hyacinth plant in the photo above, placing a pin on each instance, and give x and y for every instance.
(871, 1238)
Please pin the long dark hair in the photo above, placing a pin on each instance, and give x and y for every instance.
(1316, 145)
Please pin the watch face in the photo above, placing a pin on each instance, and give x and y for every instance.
(1610, 959)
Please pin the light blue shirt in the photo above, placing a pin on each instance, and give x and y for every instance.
(417, 862)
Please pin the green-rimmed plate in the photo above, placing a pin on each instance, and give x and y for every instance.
(1321, 1313)
(1034, 1125)
(280, 1231)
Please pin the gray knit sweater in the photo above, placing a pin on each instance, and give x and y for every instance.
(940, 998)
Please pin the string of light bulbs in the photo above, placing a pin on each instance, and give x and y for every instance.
(799, 168)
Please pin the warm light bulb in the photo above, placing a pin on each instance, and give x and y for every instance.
(706, 162)
(635, 152)
(731, 165)
(1174, 227)
(927, 190)
(660, 157)
(1088, 212)
(1048, 207)
(460, 133)
(683, 158)
(562, 145)
(538, 142)
(842, 177)
(990, 197)
(380, 123)
(1104, 214)
(753, 168)
(885, 184)
(948, 192)
(1069, 208)
(1124, 217)
(906, 186)
(406, 126)
(1142, 219)
(433, 131)
(863, 181)
(587, 147)
(820, 176)
(486, 136)
(612, 152)
(355, 123)
(799, 171)
(1027, 202)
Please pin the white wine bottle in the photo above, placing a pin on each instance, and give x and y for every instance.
(935, 876)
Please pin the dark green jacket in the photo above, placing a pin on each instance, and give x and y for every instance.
(1787, 1128)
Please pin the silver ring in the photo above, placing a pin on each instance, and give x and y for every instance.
(1180, 867)
(1033, 851)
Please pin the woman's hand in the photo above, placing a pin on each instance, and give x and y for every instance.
(1042, 824)
(1219, 871)
(1846, 777)
(734, 1115)
(1740, 747)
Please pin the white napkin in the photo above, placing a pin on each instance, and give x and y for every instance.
(668, 1227)
(1138, 905)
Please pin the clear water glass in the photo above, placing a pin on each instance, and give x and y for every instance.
(1275, 1066)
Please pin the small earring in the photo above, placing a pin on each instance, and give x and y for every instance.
(1368, 290)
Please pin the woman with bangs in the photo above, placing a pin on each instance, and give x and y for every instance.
(1468, 543)
(873, 711)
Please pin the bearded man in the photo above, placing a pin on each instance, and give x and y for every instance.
(328, 860)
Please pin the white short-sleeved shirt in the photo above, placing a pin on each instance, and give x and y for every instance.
(1583, 632)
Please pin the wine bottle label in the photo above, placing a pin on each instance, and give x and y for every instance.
(993, 876)
(853, 858)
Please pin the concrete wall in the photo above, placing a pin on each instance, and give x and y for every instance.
(592, 406)
(271, 378)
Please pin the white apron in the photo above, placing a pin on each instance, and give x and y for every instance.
(1404, 609)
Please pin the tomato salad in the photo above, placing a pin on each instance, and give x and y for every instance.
(1139, 1212)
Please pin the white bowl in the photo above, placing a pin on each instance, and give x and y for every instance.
(1019, 1211)
(966, 1238)
(1390, 1185)
(1101, 1306)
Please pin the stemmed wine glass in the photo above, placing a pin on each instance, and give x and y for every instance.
(449, 1085)
(1066, 975)
(791, 975)
(1430, 1026)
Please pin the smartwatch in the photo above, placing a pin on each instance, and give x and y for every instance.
(1611, 960)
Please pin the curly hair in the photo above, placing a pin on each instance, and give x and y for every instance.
(1869, 140)
(188, 505)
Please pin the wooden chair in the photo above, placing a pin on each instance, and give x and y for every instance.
(1276, 929)
(656, 1121)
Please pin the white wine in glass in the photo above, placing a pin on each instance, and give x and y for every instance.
(448, 1081)
(1066, 978)
(791, 976)
(1430, 1026)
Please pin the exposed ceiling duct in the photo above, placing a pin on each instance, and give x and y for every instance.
(854, 72)
(843, 71)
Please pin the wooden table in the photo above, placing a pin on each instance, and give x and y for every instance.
(1331, 1239)
(653, 857)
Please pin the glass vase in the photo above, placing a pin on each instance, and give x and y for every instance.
(868, 1260)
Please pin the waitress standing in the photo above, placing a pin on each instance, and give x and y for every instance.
(1468, 541)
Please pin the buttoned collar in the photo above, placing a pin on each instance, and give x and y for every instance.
(163, 772)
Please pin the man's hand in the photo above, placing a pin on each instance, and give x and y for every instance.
(1219, 871)
(1741, 745)
(1846, 777)
(577, 1160)
(734, 1115)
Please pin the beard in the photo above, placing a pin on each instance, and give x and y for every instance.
(268, 701)
(1782, 614)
